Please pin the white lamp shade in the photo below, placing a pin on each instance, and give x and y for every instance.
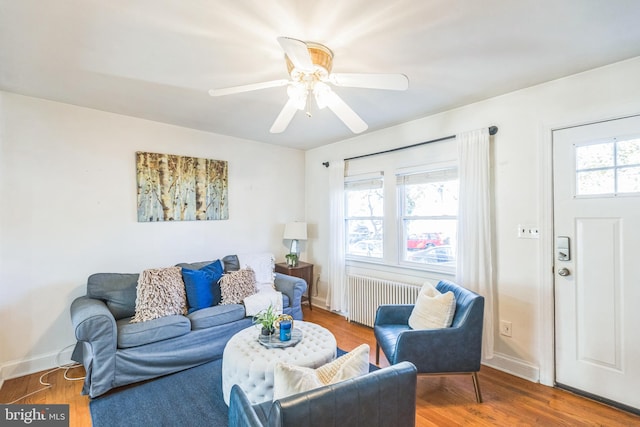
(295, 231)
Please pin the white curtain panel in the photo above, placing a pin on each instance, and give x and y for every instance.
(474, 261)
(337, 292)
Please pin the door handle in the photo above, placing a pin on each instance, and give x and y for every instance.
(564, 272)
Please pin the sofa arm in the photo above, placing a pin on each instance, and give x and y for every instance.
(92, 320)
(241, 413)
(95, 327)
(438, 350)
(293, 287)
(393, 314)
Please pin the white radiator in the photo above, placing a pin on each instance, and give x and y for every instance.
(365, 294)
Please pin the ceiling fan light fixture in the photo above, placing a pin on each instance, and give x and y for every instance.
(321, 92)
(298, 95)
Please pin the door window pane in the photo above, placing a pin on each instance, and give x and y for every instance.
(595, 182)
(594, 156)
(608, 168)
(629, 180)
(629, 152)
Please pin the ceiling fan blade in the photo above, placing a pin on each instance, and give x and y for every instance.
(285, 117)
(248, 88)
(371, 81)
(297, 52)
(345, 113)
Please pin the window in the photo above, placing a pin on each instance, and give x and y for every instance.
(401, 209)
(429, 217)
(608, 168)
(364, 215)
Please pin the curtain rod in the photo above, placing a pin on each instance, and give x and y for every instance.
(492, 131)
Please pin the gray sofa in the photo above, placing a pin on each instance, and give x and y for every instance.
(116, 352)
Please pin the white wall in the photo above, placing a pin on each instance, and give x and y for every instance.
(68, 209)
(521, 173)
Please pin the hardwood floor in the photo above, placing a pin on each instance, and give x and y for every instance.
(441, 401)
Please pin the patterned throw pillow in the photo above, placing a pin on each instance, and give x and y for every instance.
(160, 293)
(237, 285)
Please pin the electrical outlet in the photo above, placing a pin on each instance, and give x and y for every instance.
(505, 328)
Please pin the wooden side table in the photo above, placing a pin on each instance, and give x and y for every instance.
(303, 270)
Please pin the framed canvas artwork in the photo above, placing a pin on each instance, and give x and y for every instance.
(180, 188)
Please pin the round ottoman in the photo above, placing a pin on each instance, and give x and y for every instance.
(249, 364)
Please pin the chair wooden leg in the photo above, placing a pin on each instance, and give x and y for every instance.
(476, 386)
(377, 354)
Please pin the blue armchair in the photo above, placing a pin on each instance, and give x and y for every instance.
(386, 397)
(453, 350)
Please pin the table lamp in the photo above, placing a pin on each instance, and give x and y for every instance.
(295, 231)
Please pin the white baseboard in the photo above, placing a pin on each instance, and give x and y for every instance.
(19, 368)
(514, 366)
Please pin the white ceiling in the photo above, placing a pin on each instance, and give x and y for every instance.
(156, 59)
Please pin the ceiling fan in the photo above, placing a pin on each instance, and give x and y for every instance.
(309, 65)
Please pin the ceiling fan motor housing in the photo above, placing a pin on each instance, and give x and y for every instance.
(321, 56)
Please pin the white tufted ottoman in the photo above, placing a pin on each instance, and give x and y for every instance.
(250, 365)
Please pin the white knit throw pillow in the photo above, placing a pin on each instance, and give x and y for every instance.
(160, 292)
(290, 379)
(433, 310)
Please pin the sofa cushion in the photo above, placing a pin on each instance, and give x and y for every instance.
(117, 290)
(162, 328)
(202, 286)
(160, 293)
(216, 316)
(237, 285)
(286, 303)
(231, 263)
(194, 265)
(432, 309)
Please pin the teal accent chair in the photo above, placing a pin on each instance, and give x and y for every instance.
(446, 351)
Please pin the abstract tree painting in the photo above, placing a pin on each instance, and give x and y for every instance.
(180, 188)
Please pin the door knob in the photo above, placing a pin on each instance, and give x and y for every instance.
(564, 272)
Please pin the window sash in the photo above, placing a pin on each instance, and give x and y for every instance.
(364, 234)
(433, 248)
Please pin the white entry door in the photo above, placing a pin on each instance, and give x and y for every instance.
(597, 259)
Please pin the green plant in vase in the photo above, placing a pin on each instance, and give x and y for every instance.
(292, 259)
(266, 319)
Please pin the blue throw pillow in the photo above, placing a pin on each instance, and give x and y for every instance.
(202, 286)
(217, 270)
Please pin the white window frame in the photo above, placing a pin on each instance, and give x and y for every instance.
(447, 171)
(352, 182)
(437, 155)
(614, 168)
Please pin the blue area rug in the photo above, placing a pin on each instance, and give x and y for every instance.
(192, 397)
